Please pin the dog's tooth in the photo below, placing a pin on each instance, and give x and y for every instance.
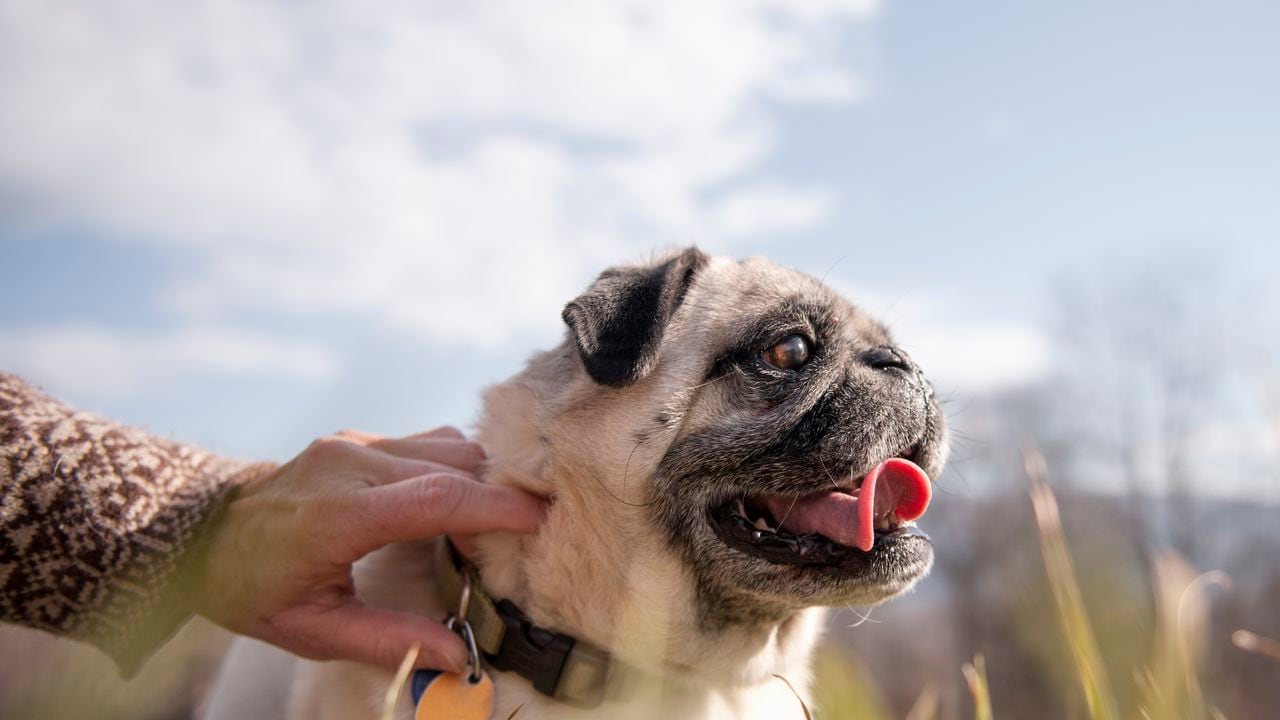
(742, 509)
(762, 525)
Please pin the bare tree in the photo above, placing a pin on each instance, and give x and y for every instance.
(1148, 351)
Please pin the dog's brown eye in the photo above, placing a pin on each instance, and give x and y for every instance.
(790, 354)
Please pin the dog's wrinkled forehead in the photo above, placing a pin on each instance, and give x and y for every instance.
(739, 302)
(715, 304)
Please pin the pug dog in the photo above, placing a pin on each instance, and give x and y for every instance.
(728, 447)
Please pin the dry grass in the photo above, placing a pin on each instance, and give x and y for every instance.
(398, 684)
(1166, 685)
(1067, 598)
(975, 674)
(1249, 642)
(925, 706)
(1169, 683)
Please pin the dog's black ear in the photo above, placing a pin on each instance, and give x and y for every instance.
(619, 321)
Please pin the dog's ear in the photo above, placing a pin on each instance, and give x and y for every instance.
(618, 322)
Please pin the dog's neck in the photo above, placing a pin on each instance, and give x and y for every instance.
(597, 570)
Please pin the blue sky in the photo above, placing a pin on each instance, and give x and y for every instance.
(253, 225)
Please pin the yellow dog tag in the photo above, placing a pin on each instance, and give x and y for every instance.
(452, 696)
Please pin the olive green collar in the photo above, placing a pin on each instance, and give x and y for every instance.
(559, 666)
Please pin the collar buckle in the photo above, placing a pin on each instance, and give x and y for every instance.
(535, 653)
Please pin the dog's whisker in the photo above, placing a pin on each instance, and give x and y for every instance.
(627, 468)
(830, 477)
(862, 618)
(787, 514)
(615, 497)
(833, 267)
(712, 380)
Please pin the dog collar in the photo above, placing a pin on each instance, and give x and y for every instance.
(559, 666)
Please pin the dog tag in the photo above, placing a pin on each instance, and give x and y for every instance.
(451, 696)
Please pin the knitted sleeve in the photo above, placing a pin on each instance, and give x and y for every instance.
(99, 523)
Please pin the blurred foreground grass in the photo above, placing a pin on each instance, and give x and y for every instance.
(45, 677)
(1166, 685)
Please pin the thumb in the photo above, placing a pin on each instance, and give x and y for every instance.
(375, 636)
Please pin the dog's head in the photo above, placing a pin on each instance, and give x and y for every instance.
(710, 431)
(782, 441)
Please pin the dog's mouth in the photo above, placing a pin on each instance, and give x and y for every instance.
(830, 527)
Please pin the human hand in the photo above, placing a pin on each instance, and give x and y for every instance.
(278, 566)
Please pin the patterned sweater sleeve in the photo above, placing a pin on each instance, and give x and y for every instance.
(100, 524)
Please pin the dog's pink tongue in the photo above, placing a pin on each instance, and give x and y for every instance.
(896, 491)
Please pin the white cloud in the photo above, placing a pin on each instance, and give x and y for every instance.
(452, 169)
(767, 208)
(92, 362)
(978, 358)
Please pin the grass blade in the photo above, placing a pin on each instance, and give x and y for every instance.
(1249, 642)
(1068, 600)
(402, 675)
(975, 674)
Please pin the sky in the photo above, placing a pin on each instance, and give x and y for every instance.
(249, 224)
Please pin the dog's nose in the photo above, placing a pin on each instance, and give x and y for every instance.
(888, 358)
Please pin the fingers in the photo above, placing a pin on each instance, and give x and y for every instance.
(380, 468)
(384, 460)
(372, 635)
(441, 433)
(434, 505)
(453, 452)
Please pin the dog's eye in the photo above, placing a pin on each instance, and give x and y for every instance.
(790, 354)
